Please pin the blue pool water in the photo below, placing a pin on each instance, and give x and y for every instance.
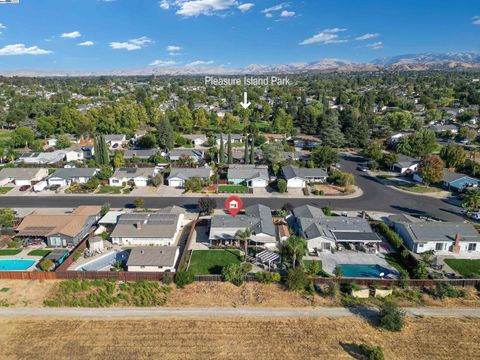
(105, 261)
(15, 264)
(364, 271)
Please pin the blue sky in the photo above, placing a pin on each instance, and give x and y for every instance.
(126, 34)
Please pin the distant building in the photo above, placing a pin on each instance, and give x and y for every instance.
(195, 139)
(178, 154)
(43, 158)
(115, 141)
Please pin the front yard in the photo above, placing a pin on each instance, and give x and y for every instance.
(205, 262)
(467, 268)
(5, 189)
(237, 189)
(417, 188)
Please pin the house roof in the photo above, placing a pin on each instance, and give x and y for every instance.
(440, 231)
(308, 211)
(19, 173)
(187, 173)
(43, 157)
(291, 172)
(153, 256)
(186, 152)
(449, 176)
(152, 225)
(140, 153)
(247, 172)
(130, 173)
(406, 161)
(194, 136)
(114, 137)
(72, 173)
(232, 136)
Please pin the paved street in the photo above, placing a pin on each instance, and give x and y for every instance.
(330, 312)
(376, 197)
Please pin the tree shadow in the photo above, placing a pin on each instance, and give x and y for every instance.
(353, 350)
(368, 314)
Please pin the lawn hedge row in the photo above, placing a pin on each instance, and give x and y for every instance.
(391, 236)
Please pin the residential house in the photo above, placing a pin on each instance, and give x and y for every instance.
(405, 164)
(257, 218)
(449, 237)
(142, 154)
(195, 155)
(275, 137)
(22, 176)
(306, 141)
(195, 139)
(153, 259)
(445, 128)
(235, 138)
(68, 176)
(457, 181)
(178, 176)
(88, 151)
(147, 229)
(138, 134)
(298, 178)
(74, 154)
(251, 175)
(115, 141)
(60, 230)
(301, 155)
(43, 158)
(327, 232)
(138, 176)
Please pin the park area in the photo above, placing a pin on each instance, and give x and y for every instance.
(205, 262)
(189, 338)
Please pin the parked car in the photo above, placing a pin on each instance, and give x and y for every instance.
(54, 187)
(362, 168)
(24, 187)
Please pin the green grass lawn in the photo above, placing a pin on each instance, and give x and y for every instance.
(107, 189)
(418, 188)
(394, 259)
(9, 252)
(39, 252)
(465, 267)
(232, 189)
(212, 261)
(5, 189)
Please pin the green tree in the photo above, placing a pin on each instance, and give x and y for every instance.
(22, 137)
(118, 159)
(105, 209)
(281, 185)
(233, 273)
(391, 317)
(471, 202)
(399, 120)
(184, 278)
(138, 202)
(147, 141)
(63, 142)
(246, 157)
(431, 169)
(274, 153)
(324, 156)
(221, 152)
(7, 216)
(420, 271)
(296, 279)
(421, 143)
(193, 184)
(244, 236)
(46, 265)
(374, 150)
(206, 205)
(105, 172)
(330, 130)
(294, 249)
(229, 149)
(102, 156)
(453, 155)
(165, 134)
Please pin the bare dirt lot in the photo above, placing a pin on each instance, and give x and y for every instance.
(428, 338)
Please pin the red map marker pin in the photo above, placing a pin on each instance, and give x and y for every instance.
(234, 205)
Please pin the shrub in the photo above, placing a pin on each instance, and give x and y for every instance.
(138, 202)
(338, 271)
(297, 279)
(14, 244)
(390, 235)
(443, 290)
(405, 253)
(281, 185)
(327, 210)
(404, 278)
(313, 268)
(420, 271)
(246, 267)
(372, 352)
(183, 278)
(332, 289)
(46, 265)
(233, 273)
(266, 277)
(391, 317)
(167, 279)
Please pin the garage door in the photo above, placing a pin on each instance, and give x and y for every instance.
(175, 183)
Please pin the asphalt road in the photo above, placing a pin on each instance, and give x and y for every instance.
(219, 312)
(376, 197)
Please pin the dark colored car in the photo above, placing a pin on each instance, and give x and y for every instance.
(54, 187)
(24, 187)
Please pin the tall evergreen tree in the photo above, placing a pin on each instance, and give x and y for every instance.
(165, 134)
(330, 130)
(221, 152)
(252, 150)
(246, 159)
(101, 151)
(229, 149)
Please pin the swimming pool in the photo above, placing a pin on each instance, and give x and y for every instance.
(15, 264)
(104, 262)
(364, 271)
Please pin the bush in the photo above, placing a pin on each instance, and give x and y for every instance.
(372, 352)
(266, 277)
(14, 244)
(207, 205)
(282, 185)
(246, 267)
(297, 279)
(167, 279)
(391, 317)
(420, 271)
(313, 268)
(404, 278)
(327, 210)
(390, 235)
(46, 265)
(443, 290)
(183, 278)
(233, 273)
(332, 289)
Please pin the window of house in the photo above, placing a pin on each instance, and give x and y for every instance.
(439, 246)
(472, 247)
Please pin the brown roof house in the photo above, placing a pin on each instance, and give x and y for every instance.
(60, 230)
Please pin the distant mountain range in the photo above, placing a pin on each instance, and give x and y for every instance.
(409, 62)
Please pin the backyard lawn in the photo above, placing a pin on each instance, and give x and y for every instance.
(232, 189)
(465, 267)
(9, 252)
(205, 262)
(39, 252)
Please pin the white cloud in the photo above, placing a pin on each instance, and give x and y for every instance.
(191, 8)
(173, 48)
(164, 4)
(476, 20)
(286, 13)
(21, 49)
(367, 37)
(162, 63)
(132, 44)
(269, 15)
(200, 63)
(2, 26)
(327, 36)
(275, 8)
(375, 46)
(86, 43)
(71, 35)
(245, 7)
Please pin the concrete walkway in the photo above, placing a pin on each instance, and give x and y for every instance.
(215, 312)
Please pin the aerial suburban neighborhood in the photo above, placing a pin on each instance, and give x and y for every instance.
(185, 179)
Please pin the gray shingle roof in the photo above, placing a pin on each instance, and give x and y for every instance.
(187, 173)
(232, 136)
(248, 172)
(133, 173)
(140, 154)
(19, 173)
(185, 152)
(72, 173)
(291, 172)
(406, 161)
(152, 225)
(441, 231)
(152, 256)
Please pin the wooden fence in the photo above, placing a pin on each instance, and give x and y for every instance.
(186, 253)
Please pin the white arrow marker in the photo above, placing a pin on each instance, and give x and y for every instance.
(245, 104)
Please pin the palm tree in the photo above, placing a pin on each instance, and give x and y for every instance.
(294, 248)
(244, 235)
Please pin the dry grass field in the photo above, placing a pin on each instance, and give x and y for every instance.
(428, 338)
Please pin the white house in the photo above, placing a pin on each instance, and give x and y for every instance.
(405, 164)
(235, 138)
(253, 176)
(115, 141)
(43, 158)
(153, 259)
(139, 176)
(298, 178)
(177, 154)
(22, 176)
(68, 176)
(74, 155)
(195, 139)
(179, 175)
(146, 229)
